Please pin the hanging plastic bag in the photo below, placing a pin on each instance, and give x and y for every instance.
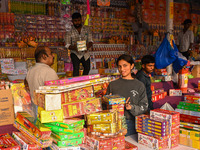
(180, 60)
(165, 55)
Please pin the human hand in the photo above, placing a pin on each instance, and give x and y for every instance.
(127, 105)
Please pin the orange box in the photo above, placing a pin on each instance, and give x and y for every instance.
(160, 5)
(185, 7)
(161, 16)
(153, 16)
(194, 18)
(177, 7)
(152, 4)
(146, 15)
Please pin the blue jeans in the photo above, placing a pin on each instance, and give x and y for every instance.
(130, 127)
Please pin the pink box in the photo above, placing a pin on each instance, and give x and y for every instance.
(70, 80)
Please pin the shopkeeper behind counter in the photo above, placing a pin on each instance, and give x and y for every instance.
(79, 41)
(132, 89)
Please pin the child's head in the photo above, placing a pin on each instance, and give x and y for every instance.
(125, 64)
(148, 63)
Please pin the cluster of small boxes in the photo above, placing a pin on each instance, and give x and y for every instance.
(8, 66)
(189, 126)
(158, 94)
(160, 130)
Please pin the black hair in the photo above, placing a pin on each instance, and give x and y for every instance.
(125, 57)
(148, 59)
(76, 15)
(186, 21)
(40, 50)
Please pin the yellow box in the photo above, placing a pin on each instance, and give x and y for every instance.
(183, 139)
(195, 135)
(50, 116)
(102, 117)
(196, 144)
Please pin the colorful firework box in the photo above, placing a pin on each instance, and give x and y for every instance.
(114, 99)
(172, 116)
(24, 142)
(175, 92)
(104, 128)
(192, 99)
(55, 147)
(8, 143)
(41, 143)
(189, 118)
(67, 136)
(117, 142)
(69, 123)
(50, 116)
(188, 112)
(104, 117)
(77, 94)
(87, 106)
(64, 130)
(118, 107)
(70, 80)
(152, 142)
(64, 143)
(158, 91)
(37, 129)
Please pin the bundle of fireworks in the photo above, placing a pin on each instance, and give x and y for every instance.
(190, 126)
(189, 106)
(69, 132)
(175, 92)
(162, 127)
(190, 138)
(70, 80)
(33, 129)
(188, 112)
(156, 128)
(8, 143)
(83, 107)
(105, 124)
(192, 99)
(116, 142)
(159, 96)
(24, 142)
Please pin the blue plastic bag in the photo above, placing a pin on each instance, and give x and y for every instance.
(179, 62)
(165, 55)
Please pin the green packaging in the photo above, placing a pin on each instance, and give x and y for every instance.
(66, 143)
(69, 123)
(64, 130)
(67, 136)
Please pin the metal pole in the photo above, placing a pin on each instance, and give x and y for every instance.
(169, 25)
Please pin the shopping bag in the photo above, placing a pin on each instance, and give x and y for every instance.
(180, 61)
(165, 55)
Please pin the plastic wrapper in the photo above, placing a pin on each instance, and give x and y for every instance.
(81, 45)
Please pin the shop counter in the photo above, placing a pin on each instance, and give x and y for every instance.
(172, 100)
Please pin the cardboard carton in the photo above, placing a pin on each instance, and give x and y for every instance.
(6, 108)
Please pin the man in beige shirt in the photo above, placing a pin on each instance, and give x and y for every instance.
(42, 71)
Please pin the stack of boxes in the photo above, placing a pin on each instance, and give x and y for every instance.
(76, 97)
(160, 130)
(189, 126)
(158, 94)
(105, 129)
(8, 143)
(35, 133)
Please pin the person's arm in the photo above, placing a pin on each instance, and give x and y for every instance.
(68, 42)
(191, 40)
(143, 104)
(89, 40)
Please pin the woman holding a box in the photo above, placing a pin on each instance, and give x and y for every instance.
(132, 89)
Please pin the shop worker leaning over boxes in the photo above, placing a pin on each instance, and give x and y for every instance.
(6, 107)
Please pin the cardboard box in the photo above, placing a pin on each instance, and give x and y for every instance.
(8, 143)
(6, 107)
(196, 71)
